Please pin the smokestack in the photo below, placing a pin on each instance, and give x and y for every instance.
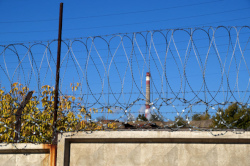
(147, 110)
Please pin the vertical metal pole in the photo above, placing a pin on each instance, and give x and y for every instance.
(57, 73)
(54, 139)
(147, 110)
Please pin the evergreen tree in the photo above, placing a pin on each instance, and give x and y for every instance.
(141, 117)
(235, 116)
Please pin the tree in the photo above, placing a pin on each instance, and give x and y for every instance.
(141, 117)
(234, 116)
(37, 116)
(180, 122)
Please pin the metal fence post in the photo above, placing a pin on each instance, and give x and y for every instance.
(54, 136)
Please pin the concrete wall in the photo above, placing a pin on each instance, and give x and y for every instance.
(139, 148)
(107, 148)
(24, 155)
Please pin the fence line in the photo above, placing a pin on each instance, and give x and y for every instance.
(193, 70)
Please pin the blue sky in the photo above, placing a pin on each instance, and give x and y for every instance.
(30, 20)
(33, 21)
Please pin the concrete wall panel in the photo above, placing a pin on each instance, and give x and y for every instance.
(24, 155)
(24, 160)
(160, 154)
(149, 148)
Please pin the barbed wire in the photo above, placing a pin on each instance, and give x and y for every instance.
(108, 73)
